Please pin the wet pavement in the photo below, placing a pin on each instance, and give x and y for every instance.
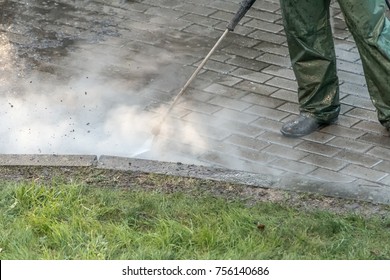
(93, 77)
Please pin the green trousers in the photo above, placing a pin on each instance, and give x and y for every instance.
(309, 36)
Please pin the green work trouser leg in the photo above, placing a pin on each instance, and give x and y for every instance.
(311, 47)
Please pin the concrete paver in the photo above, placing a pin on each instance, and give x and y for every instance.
(108, 66)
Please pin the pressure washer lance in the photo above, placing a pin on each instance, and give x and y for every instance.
(244, 7)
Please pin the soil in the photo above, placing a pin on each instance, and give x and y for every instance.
(96, 177)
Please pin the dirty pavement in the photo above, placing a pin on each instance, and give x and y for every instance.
(92, 77)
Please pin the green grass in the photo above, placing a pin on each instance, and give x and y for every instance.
(76, 221)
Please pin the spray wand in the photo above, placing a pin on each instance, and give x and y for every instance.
(245, 5)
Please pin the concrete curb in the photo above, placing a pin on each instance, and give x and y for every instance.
(48, 160)
(370, 193)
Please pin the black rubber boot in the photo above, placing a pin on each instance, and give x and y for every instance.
(303, 125)
(386, 125)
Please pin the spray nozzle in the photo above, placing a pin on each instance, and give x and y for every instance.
(156, 129)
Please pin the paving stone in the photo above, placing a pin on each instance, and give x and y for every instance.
(225, 91)
(229, 114)
(316, 148)
(359, 102)
(350, 67)
(247, 142)
(347, 56)
(324, 162)
(254, 87)
(352, 78)
(273, 49)
(278, 138)
(283, 83)
(268, 37)
(331, 176)
(385, 181)
(202, 107)
(219, 67)
(200, 20)
(224, 6)
(290, 118)
(374, 127)
(229, 103)
(200, 30)
(276, 60)
(267, 124)
(264, 25)
(228, 81)
(268, 6)
(166, 12)
(239, 164)
(383, 166)
(206, 79)
(289, 107)
(163, 3)
(198, 95)
(376, 139)
(347, 121)
(196, 9)
(265, 169)
(233, 126)
(247, 130)
(284, 152)
(225, 16)
(247, 154)
(264, 101)
(350, 144)
(280, 71)
(345, 108)
(319, 137)
(212, 132)
(255, 157)
(265, 112)
(237, 38)
(358, 158)
(379, 152)
(247, 63)
(242, 51)
(354, 89)
(264, 16)
(362, 114)
(287, 95)
(293, 166)
(364, 173)
(250, 75)
(344, 45)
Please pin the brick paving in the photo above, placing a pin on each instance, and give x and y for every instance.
(238, 102)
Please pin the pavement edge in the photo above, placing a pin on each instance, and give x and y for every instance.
(375, 193)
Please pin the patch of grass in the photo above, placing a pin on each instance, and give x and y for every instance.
(60, 220)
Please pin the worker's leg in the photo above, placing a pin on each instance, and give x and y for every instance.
(311, 47)
(367, 22)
